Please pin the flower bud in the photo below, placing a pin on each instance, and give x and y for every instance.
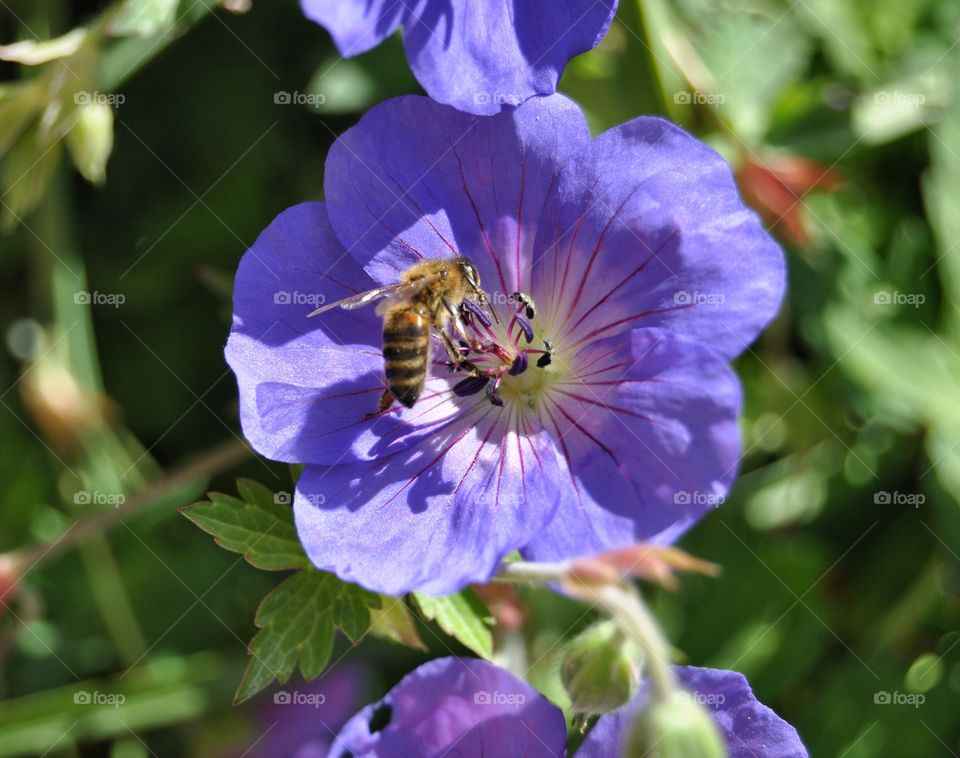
(9, 576)
(601, 669)
(91, 141)
(681, 728)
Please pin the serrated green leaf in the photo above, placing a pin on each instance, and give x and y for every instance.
(257, 526)
(462, 616)
(297, 622)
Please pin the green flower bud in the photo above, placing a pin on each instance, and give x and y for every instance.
(601, 669)
(679, 729)
(91, 139)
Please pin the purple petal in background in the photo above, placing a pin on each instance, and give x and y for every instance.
(476, 55)
(456, 707)
(750, 728)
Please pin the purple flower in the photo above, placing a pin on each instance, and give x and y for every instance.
(468, 707)
(301, 721)
(476, 55)
(618, 425)
(750, 728)
(456, 707)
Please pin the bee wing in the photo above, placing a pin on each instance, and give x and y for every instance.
(401, 291)
(360, 299)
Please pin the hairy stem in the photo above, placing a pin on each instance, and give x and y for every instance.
(621, 602)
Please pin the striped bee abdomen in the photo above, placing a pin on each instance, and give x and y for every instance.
(406, 352)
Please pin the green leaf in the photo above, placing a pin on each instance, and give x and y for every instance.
(297, 621)
(462, 616)
(142, 18)
(259, 526)
(393, 621)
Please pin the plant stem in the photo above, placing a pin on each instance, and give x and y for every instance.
(621, 602)
(215, 460)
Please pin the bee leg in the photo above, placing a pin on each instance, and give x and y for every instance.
(457, 361)
(386, 401)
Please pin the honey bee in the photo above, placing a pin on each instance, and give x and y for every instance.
(429, 295)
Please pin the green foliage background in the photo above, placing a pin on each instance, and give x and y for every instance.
(832, 592)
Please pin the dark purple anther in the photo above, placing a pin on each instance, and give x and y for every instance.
(525, 325)
(519, 364)
(470, 386)
(476, 312)
(493, 397)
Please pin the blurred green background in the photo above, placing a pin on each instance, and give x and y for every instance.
(839, 595)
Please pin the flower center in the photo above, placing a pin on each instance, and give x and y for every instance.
(508, 361)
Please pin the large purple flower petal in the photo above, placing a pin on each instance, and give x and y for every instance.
(305, 383)
(415, 179)
(439, 508)
(476, 55)
(359, 25)
(480, 56)
(647, 425)
(646, 228)
(456, 707)
(750, 728)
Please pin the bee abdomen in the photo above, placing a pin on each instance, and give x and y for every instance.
(406, 353)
